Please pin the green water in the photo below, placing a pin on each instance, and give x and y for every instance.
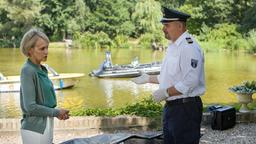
(222, 71)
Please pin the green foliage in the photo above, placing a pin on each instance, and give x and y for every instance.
(197, 17)
(122, 19)
(89, 40)
(241, 9)
(121, 41)
(212, 12)
(251, 41)
(16, 17)
(249, 17)
(110, 16)
(147, 38)
(146, 16)
(56, 14)
(247, 87)
(172, 3)
(5, 43)
(145, 108)
(222, 36)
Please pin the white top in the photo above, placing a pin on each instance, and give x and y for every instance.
(183, 68)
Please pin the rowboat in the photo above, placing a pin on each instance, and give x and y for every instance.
(60, 81)
(134, 69)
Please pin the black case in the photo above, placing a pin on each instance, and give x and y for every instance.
(223, 118)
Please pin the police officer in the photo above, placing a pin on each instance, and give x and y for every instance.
(181, 81)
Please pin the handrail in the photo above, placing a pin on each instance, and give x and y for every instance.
(50, 69)
(2, 77)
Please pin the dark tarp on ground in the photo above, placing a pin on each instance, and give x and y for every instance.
(124, 138)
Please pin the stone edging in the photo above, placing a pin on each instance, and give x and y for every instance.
(89, 122)
(114, 123)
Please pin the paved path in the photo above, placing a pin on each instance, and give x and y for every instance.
(241, 134)
(244, 133)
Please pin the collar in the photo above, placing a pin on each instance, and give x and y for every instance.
(31, 63)
(182, 37)
(36, 66)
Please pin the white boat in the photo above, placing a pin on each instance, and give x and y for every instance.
(126, 71)
(60, 81)
(107, 70)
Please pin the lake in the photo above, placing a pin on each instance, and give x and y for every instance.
(223, 69)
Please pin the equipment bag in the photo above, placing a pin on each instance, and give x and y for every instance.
(223, 118)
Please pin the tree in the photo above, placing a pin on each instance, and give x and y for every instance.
(249, 20)
(209, 12)
(17, 16)
(110, 16)
(59, 18)
(79, 17)
(239, 10)
(147, 16)
(196, 21)
(172, 3)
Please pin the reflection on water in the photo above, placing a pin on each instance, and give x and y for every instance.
(109, 86)
(9, 105)
(222, 71)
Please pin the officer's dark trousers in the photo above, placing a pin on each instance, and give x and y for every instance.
(182, 122)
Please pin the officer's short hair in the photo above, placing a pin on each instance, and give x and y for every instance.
(29, 40)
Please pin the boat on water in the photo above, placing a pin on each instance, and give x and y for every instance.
(134, 69)
(59, 80)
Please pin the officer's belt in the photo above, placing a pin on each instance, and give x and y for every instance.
(183, 100)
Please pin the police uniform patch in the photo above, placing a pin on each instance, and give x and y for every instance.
(194, 63)
(189, 40)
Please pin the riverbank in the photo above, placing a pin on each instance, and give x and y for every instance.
(81, 127)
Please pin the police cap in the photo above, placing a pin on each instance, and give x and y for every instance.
(170, 15)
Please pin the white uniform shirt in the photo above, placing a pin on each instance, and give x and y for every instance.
(183, 68)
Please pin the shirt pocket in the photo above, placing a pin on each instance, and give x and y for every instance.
(172, 65)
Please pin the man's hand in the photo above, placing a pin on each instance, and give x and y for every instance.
(144, 78)
(63, 114)
(160, 95)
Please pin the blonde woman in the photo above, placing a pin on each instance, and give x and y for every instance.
(37, 96)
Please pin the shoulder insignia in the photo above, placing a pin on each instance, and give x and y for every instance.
(189, 40)
(194, 63)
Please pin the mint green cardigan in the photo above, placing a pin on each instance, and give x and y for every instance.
(33, 100)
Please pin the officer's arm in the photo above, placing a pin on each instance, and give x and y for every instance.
(172, 91)
(191, 62)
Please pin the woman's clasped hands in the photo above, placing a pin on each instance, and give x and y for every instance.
(63, 114)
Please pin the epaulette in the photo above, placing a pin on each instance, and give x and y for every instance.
(189, 40)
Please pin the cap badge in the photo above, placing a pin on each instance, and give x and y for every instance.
(189, 40)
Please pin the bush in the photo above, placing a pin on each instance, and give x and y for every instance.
(145, 108)
(5, 44)
(89, 40)
(9, 43)
(222, 36)
(248, 87)
(251, 41)
(121, 41)
(146, 39)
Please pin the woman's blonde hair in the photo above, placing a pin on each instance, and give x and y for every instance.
(29, 40)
